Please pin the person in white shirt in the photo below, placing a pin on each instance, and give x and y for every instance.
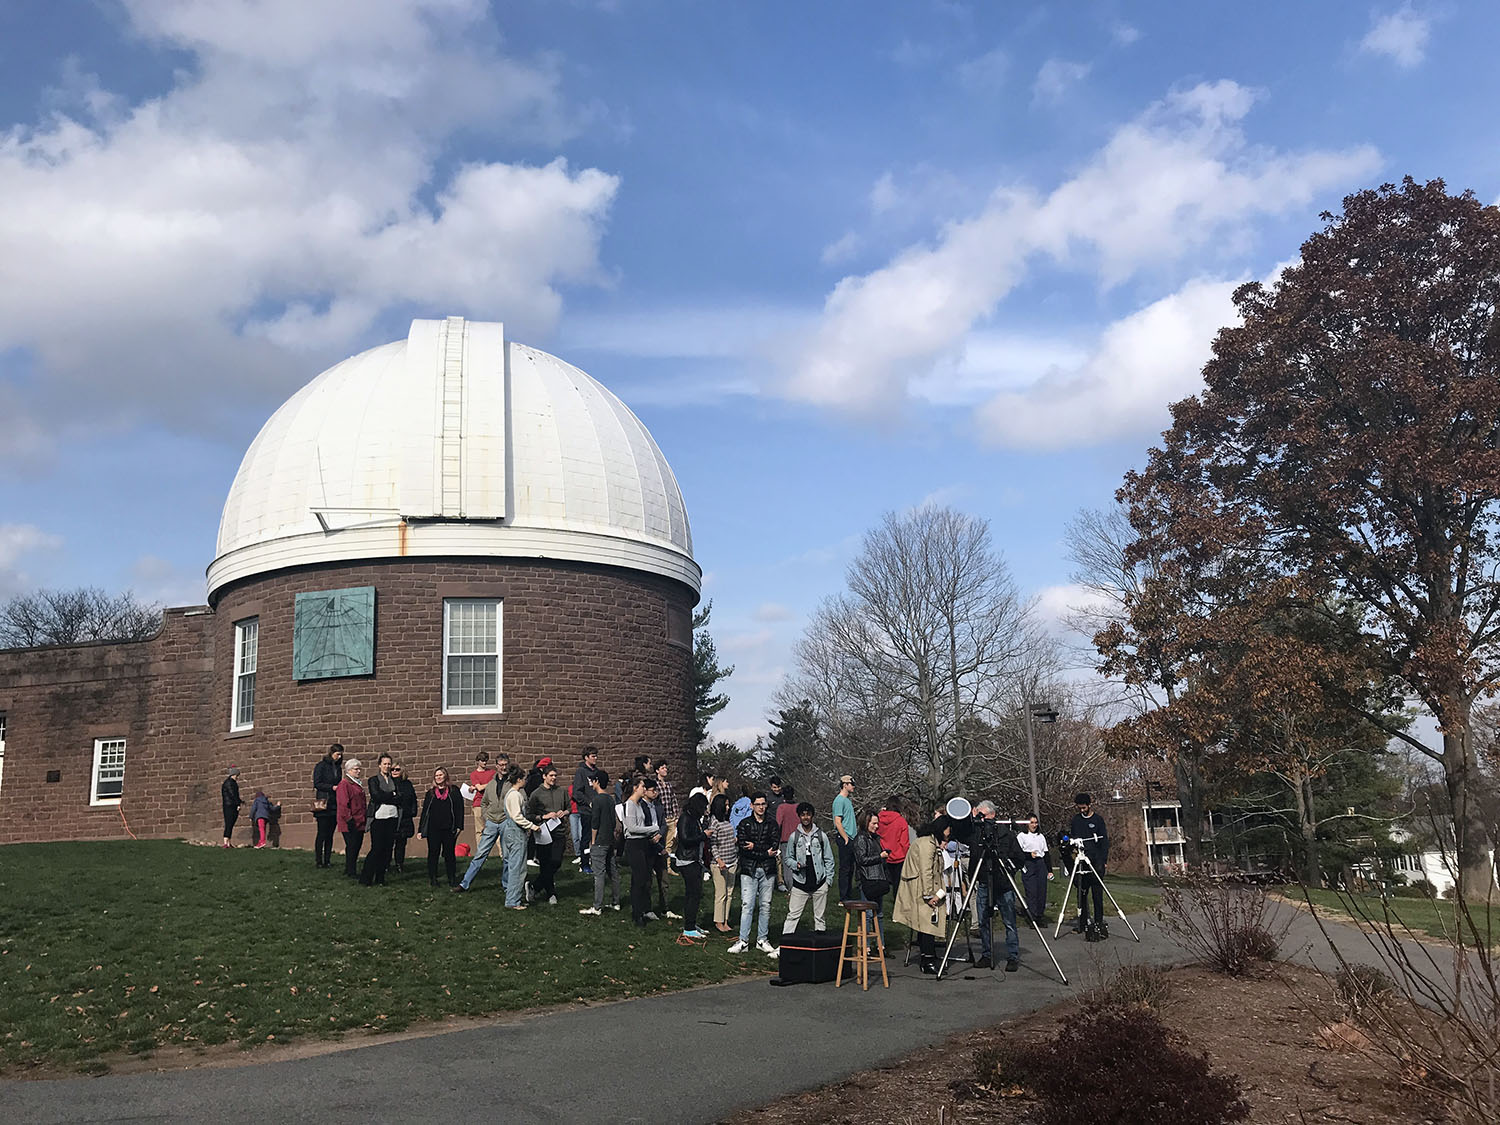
(1035, 871)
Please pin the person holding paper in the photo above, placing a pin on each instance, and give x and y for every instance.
(547, 807)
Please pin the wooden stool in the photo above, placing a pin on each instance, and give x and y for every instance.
(862, 956)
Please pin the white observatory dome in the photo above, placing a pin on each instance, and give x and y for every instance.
(453, 442)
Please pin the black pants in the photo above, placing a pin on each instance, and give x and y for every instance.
(444, 847)
(692, 893)
(1088, 883)
(382, 842)
(398, 852)
(353, 841)
(846, 870)
(927, 945)
(323, 845)
(1034, 880)
(230, 816)
(659, 869)
(639, 858)
(549, 858)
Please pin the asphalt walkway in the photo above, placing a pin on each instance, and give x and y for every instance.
(695, 1056)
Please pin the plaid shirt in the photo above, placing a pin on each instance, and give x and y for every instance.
(671, 807)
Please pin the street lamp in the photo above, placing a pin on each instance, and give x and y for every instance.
(1042, 713)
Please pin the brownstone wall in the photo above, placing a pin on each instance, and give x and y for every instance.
(585, 659)
(58, 700)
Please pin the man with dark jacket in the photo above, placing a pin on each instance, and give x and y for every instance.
(229, 793)
(1002, 855)
(326, 777)
(759, 844)
(581, 819)
(1088, 827)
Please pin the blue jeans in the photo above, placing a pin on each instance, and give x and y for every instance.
(487, 840)
(514, 879)
(580, 827)
(1007, 915)
(755, 888)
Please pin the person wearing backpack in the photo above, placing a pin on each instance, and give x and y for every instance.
(807, 857)
(870, 865)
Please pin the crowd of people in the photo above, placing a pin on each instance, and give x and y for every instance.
(759, 844)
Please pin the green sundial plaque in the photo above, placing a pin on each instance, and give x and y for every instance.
(333, 634)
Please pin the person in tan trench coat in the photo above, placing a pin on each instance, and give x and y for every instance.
(919, 898)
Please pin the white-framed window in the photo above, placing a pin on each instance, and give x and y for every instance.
(471, 654)
(108, 784)
(246, 656)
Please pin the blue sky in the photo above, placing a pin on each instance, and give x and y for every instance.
(841, 258)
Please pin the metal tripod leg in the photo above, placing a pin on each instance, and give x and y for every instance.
(1009, 878)
(1112, 901)
(962, 920)
(1067, 897)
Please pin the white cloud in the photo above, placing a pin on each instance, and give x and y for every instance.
(741, 736)
(772, 612)
(1124, 34)
(17, 541)
(1055, 603)
(1400, 36)
(1055, 78)
(216, 243)
(1141, 363)
(1178, 179)
(985, 75)
(840, 249)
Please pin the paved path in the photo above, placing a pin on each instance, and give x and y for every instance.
(695, 1056)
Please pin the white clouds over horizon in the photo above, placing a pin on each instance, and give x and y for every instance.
(261, 215)
(17, 542)
(1179, 180)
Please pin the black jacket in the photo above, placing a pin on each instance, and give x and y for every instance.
(378, 796)
(1086, 826)
(326, 777)
(868, 864)
(690, 837)
(1005, 854)
(406, 801)
(764, 837)
(230, 793)
(441, 818)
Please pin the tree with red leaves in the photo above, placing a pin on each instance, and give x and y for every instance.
(1347, 442)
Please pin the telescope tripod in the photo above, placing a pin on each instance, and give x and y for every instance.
(1081, 862)
(963, 920)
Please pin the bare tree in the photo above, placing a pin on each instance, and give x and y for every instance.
(66, 617)
(908, 669)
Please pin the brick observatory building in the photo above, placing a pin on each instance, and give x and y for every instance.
(448, 543)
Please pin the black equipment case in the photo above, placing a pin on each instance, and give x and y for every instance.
(810, 958)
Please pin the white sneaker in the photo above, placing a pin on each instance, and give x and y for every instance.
(773, 953)
(594, 910)
(614, 906)
(577, 861)
(551, 900)
(766, 947)
(650, 916)
(738, 947)
(532, 863)
(671, 914)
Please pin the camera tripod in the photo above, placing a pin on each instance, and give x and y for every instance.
(963, 919)
(1082, 862)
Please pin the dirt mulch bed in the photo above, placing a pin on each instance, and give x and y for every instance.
(1271, 1030)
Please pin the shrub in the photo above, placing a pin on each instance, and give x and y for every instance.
(1117, 1066)
(1130, 986)
(1225, 926)
(1358, 988)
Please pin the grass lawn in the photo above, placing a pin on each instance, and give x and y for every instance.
(1421, 915)
(123, 947)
